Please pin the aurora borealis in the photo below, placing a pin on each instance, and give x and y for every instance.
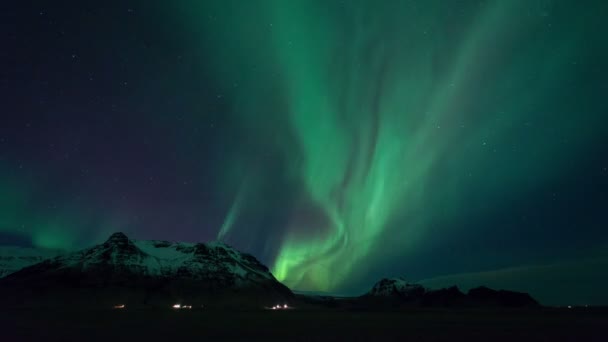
(338, 141)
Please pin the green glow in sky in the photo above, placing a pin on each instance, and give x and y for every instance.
(394, 107)
(337, 141)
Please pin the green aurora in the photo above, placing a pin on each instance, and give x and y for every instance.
(396, 110)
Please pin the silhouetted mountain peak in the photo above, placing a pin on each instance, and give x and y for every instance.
(118, 238)
(400, 292)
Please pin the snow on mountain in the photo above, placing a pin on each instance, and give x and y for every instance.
(216, 264)
(395, 287)
(198, 260)
(13, 258)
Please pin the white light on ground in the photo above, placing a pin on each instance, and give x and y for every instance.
(177, 306)
(278, 307)
(120, 306)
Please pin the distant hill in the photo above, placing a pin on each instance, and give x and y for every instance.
(398, 292)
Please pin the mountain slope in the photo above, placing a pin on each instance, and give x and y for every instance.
(12, 258)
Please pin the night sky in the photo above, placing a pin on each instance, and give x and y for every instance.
(337, 141)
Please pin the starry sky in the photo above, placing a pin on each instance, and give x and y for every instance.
(338, 141)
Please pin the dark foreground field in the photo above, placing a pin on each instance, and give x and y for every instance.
(416, 325)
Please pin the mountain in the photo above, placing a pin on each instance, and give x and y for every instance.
(396, 287)
(397, 292)
(147, 273)
(13, 258)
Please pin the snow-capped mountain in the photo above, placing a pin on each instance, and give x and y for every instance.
(165, 259)
(395, 287)
(13, 258)
(154, 271)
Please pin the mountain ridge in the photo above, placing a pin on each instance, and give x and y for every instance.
(160, 273)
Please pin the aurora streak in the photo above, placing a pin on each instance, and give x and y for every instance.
(384, 103)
